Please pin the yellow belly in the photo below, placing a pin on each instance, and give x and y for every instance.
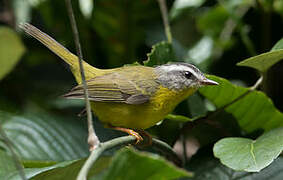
(140, 116)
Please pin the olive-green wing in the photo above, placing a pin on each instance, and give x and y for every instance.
(116, 87)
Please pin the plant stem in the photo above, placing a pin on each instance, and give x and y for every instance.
(16, 159)
(165, 149)
(257, 83)
(164, 13)
(95, 154)
(93, 140)
(266, 18)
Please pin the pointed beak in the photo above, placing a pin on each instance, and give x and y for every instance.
(208, 82)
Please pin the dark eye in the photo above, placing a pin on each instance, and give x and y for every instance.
(188, 74)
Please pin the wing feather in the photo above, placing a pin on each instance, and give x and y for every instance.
(115, 87)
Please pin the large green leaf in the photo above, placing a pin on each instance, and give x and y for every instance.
(250, 155)
(46, 137)
(129, 164)
(66, 170)
(69, 170)
(11, 50)
(32, 172)
(264, 61)
(126, 164)
(252, 111)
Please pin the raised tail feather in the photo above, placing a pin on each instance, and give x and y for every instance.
(61, 51)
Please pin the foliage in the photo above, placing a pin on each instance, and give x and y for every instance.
(264, 61)
(161, 53)
(124, 167)
(11, 50)
(241, 125)
(247, 154)
(244, 105)
(44, 137)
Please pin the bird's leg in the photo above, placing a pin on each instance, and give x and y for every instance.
(128, 131)
(147, 135)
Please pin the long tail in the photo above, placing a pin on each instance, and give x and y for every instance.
(61, 51)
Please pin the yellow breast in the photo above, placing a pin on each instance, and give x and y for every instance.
(140, 116)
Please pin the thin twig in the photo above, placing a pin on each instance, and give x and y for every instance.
(93, 141)
(167, 151)
(164, 13)
(157, 144)
(257, 83)
(16, 159)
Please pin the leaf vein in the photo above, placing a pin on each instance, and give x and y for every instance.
(253, 155)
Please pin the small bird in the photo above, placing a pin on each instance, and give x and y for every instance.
(129, 98)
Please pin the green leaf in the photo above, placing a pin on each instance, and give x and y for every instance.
(178, 118)
(263, 61)
(62, 171)
(129, 164)
(253, 111)
(278, 45)
(161, 53)
(37, 164)
(70, 170)
(46, 137)
(244, 154)
(210, 168)
(32, 172)
(6, 165)
(11, 50)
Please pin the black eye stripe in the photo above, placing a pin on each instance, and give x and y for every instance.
(188, 74)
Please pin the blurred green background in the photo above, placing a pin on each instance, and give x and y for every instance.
(214, 35)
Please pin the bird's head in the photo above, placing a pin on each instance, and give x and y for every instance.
(181, 76)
